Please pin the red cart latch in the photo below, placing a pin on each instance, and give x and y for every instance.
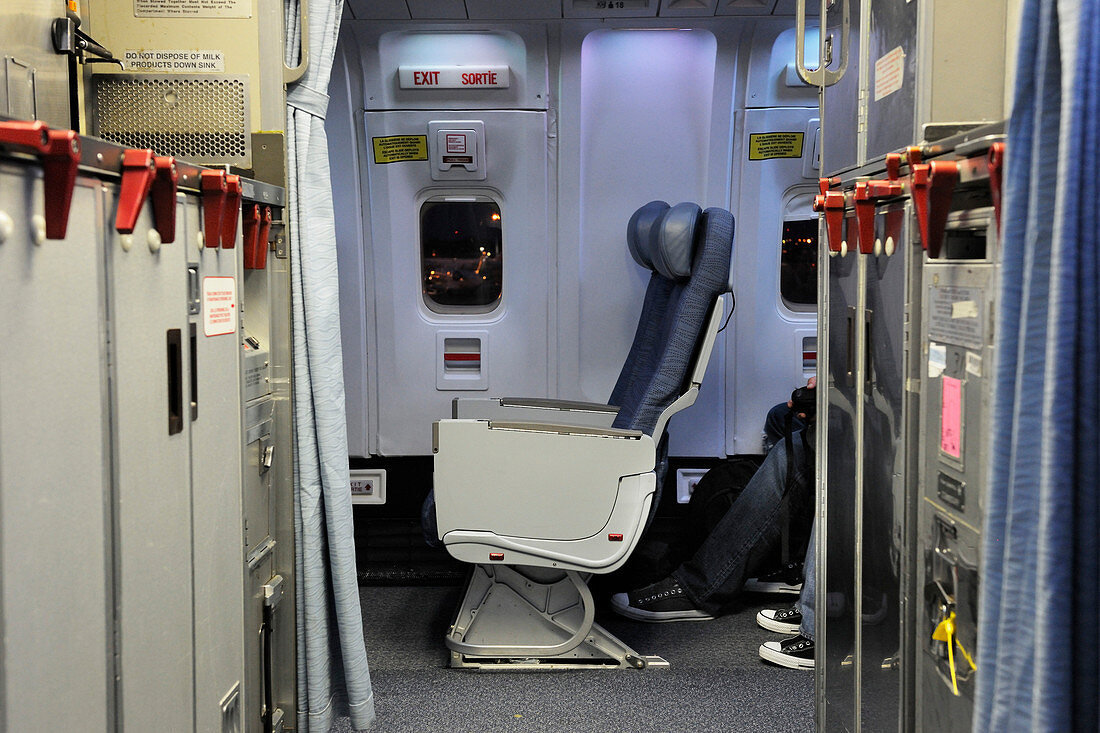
(257, 229)
(164, 197)
(933, 186)
(996, 168)
(214, 189)
(831, 203)
(867, 194)
(59, 151)
(231, 211)
(138, 171)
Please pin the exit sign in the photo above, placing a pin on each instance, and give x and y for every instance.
(454, 77)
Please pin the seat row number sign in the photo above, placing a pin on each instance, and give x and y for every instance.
(454, 77)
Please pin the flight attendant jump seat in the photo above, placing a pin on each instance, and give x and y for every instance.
(539, 494)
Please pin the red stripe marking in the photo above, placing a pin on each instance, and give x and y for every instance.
(462, 357)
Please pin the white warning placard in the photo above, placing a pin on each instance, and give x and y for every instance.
(889, 73)
(219, 306)
(173, 60)
(192, 8)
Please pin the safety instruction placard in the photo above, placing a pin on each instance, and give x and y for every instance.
(173, 60)
(192, 8)
(951, 417)
(219, 306)
(768, 145)
(889, 73)
(400, 148)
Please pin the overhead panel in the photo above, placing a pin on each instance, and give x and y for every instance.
(437, 9)
(686, 8)
(609, 8)
(744, 7)
(379, 9)
(512, 10)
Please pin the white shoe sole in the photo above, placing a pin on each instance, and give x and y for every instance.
(621, 605)
(773, 654)
(780, 627)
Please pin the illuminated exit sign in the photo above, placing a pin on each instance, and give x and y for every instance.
(453, 77)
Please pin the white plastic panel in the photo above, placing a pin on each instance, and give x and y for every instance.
(685, 8)
(411, 390)
(770, 84)
(766, 349)
(744, 7)
(522, 49)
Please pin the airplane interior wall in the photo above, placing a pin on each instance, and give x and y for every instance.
(596, 121)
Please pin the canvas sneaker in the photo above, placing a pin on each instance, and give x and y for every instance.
(796, 652)
(663, 601)
(780, 620)
(787, 579)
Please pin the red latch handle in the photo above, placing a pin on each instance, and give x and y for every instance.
(893, 166)
(138, 171)
(35, 136)
(164, 197)
(867, 193)
(256, 230)
(214, 188)
(231, 211)
(933, 186)
(60, 164)
(60, 154)
(996, 158)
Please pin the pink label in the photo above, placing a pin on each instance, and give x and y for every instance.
(951, 418)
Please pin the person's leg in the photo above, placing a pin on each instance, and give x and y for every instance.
(808, 596)
(775, 425)
(746, 535)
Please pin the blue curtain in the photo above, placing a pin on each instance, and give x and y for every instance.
(333, 677)
(1038, 641)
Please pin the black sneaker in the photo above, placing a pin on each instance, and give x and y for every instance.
(796, 652)
(662, 601)
(780, 620)
(787, 579)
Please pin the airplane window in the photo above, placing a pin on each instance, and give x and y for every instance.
(460, 254)
(798, 264)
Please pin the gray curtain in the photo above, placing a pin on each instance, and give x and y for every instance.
(333, 677)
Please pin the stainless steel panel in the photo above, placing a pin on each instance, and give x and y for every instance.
(882, 456)
(55, 560)
(216, 477)
(34, 81)
(891, 50)
(148, 298)
(958, 346)
(840, 106)
(836, 624)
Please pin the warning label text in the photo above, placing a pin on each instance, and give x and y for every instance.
(174, 60)
(768, 145)
(399, 148)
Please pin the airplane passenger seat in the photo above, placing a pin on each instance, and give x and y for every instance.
(539, 494)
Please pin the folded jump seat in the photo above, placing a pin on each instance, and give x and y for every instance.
(539, 494)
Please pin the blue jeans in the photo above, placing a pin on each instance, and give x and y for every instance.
(775, 425)
(749, 532)
(808, 595)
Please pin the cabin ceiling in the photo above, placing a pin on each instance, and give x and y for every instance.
(551, 9)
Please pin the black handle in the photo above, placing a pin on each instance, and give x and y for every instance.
(194, 374)
(175, 381)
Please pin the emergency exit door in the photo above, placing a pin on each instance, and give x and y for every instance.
(461, 265)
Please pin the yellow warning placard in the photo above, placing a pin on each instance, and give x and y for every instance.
(768, 145)
(400, 148)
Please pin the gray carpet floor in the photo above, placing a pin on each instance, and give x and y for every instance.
(716, 681)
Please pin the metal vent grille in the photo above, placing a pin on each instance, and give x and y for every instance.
(201, 119)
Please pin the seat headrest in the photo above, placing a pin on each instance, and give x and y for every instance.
(639, 232)
(675, 241)
(662, 238)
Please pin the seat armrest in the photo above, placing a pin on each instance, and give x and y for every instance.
(536, 480)
(519, 409)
